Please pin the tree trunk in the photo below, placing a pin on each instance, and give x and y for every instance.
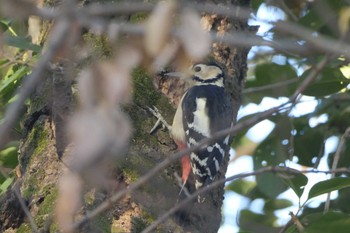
(44, 146)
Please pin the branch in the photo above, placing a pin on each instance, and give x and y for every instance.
(239, 176)
(335, 163)
(309, 79)
(270, 86)
(318, 41)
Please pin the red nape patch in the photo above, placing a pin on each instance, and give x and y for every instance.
(186, 167)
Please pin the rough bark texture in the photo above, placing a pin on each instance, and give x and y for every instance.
(44, 144)
(207, 217)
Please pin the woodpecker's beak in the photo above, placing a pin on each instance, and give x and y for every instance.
(175, 75)
(184, 75)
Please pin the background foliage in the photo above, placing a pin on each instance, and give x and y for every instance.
(295, 138)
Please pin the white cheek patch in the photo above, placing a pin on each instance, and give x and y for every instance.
(201, 121)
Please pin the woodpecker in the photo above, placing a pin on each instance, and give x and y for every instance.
(204, 109)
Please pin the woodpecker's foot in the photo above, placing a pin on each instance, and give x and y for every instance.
(155, 112)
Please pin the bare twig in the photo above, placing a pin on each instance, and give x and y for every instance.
(296, 222)
(212, 185)
(238, 176)
(287, 10)
(25, 208)
(335, 163)
(309, 79)
(320, 42)
(270, 86)
(320, 154)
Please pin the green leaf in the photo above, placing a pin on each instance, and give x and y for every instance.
(343, 200)
(312, 137)
(272, 152)
(257, 223)
(270, 184)
(256, 4)
(3, 61)
(8, 157)
(277, 204)
(267, 74)
(332, 222)
(296, 182)
(8, 85)
(6, 184)
(317, 20)
(292, 229)
(22, 43)
(311, 20)
(242, 187)
(329, 81)
(328, 186)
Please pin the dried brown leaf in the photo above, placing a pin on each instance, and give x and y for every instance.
(196, 41)
(69, 200)
(18, 8)
(158, 27)
(166, 56)
(87, 88)
(113, 31)
(108, 83)
(97, 133)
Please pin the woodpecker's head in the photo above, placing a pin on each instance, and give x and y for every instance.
(207, 74)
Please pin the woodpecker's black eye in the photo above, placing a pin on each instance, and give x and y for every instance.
(197, 68)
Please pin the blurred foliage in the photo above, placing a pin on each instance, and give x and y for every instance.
(18, 55)
(294, 138)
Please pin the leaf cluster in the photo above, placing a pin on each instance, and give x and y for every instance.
(299, 135)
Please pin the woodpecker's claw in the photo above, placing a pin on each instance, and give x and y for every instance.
(155, 112)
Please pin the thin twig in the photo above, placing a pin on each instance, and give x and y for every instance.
(238, 176)
(335, 164)
(270, 86)
(25, 209)
(309, 79)
(287, 10)
(319, 41)
(296, 222)
(212, 185)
